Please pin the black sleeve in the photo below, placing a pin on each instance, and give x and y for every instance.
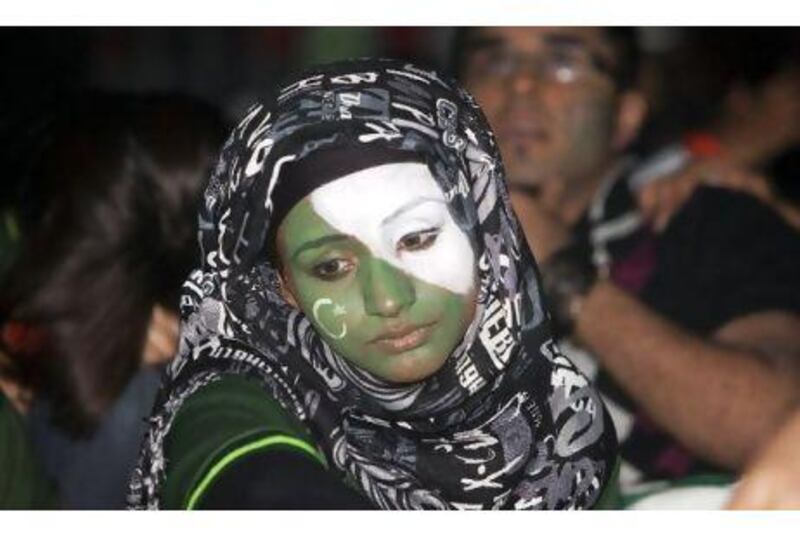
(724, 255)
(280, 480)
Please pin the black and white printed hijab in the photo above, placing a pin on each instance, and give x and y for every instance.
(508, 422)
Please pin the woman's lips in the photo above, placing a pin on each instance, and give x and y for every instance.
(398, 340)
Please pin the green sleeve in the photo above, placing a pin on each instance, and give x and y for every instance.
(219, 424)
(23, 484)
(610, 498)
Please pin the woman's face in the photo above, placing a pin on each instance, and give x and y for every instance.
(377, 263)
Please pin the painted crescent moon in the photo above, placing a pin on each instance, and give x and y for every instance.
(315, 310)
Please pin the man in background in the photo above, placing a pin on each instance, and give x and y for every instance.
(698, 326)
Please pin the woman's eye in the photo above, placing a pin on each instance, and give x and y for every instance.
(418, 240)
(332, 269)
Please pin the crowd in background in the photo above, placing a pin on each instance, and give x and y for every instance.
(655, 173)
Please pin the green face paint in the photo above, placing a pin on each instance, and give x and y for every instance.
(378, 315)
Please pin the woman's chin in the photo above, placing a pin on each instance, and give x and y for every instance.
(412, 366)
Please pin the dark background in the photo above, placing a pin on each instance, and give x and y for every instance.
(44, 68)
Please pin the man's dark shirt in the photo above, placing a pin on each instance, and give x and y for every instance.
(724, 255)
(784, 170)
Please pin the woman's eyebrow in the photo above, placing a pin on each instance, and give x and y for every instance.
(316, 243)
(409, 206)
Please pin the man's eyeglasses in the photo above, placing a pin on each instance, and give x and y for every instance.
(563, 66)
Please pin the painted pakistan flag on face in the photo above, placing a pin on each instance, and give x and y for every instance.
(377, 263)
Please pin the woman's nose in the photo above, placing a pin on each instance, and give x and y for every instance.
(387, 290)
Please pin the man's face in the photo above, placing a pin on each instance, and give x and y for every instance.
(550, 98)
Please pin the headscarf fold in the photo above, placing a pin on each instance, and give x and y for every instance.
(507, 422)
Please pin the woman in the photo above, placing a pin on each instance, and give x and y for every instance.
(89, 307)
(368, 316)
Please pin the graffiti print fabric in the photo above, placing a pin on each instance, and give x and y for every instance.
(507, 422)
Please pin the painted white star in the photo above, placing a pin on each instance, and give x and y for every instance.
(338, 310)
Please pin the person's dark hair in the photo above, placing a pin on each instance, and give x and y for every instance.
(711, 61)
(623, 39)
(108, 218)
(748, 56)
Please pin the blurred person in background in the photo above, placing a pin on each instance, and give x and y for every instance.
(742, 128)
(107, 235)
(696, 329)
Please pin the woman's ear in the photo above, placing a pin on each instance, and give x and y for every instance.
(286, 290)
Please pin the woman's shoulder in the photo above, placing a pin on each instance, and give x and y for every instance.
(220, 424)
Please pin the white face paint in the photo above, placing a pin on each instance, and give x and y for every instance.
(380, 205)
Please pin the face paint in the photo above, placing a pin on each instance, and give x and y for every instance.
(382, 270)
(337, 311)
(381, 205)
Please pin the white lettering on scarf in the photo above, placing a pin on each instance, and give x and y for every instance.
(348, 100)
(355, 78)
(496, 333)
(305, 83)
(386, 131)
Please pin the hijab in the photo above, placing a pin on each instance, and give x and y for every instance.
(507, 422)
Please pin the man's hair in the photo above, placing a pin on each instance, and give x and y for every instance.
(623, 40)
